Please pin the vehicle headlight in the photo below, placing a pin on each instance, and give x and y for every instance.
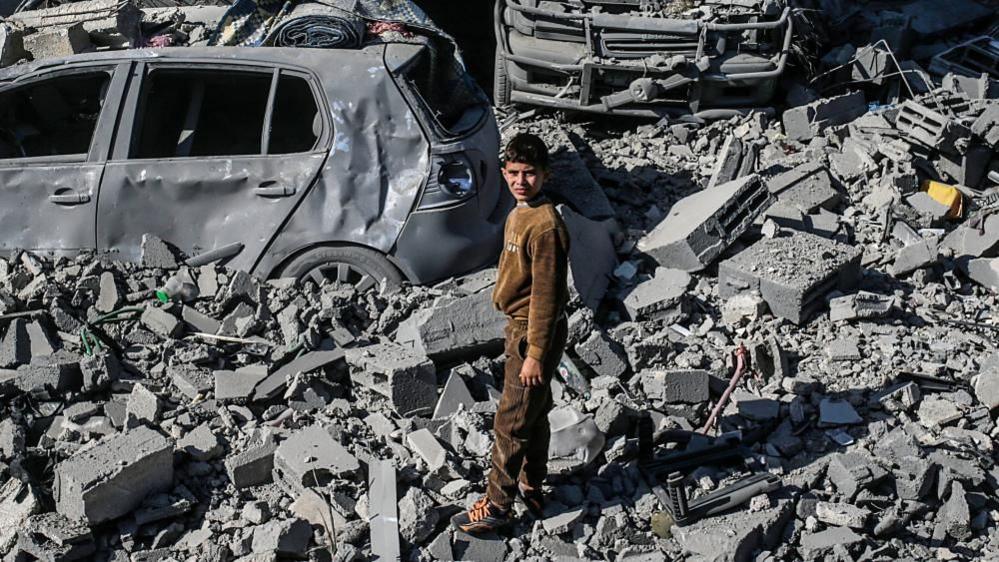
(456, 179)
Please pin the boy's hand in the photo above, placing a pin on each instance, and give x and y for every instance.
(530, 372)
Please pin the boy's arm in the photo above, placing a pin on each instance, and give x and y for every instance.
(549, 268)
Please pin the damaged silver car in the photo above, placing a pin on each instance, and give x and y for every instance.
(348, 165)
(647, 58)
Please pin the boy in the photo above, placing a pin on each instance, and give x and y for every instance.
(532, 290)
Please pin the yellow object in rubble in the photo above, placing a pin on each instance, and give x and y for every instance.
(945, 195)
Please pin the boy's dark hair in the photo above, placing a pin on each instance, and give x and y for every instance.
(526, 148)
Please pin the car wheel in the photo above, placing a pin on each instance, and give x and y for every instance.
(501, 84)
(360, 267)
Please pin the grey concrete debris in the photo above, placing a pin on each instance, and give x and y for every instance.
(734, 161)
(592, 257)
(792, 273)
(661, 297)
(985, 272)
(289, 537)
(51, 536)
(161, 322)
(861, 305)
(417, 516)
(603, 355)
(842, 514)
(735, 536)
(398, 373)
(201, 443)
(915, 256)
(423, 443)
(312, 458)
(253, 466)
(820, 544)
(806, 187)
(17, 503)
(143, 407)
(156, 253)
(454, 396)
(672, 387)
(455, 328)
(575, 440)
(700, 227)
(275, 382)
(930, 128)
(238, 385)
(807, 121)
(837, 412)
(485, 548)
(193, 382)
(112, 478)
(987, 387)
(563, 522)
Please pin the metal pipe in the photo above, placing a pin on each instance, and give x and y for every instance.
(740, 369)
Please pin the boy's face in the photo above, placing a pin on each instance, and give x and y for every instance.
(524, 180)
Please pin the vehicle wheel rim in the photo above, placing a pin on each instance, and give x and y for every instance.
(343, 273)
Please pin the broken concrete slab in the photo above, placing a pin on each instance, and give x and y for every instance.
(915, 256)
(111, 479)
(252, 466)
(312, 458)
(17, 503)
(816, 545)
(487, 547)
(853, 471)
(423, 443)
(11, 44)
(53, 537)
(805, 122)
(201, 443)
(701, 226)
(661, 297)
(58, 42)
(571, 181)
(861, 305)
(986, 386)
(734, 161)
(735, 536)
(417, 516)
(288, 537)
(837, 412)
(404, 376)
(272, 386)
(563, 522)
(985, 272)
(841, 514)
(143, 407)
(978, 238)
(937, 412)
(806, 187)
(455, 328)
(454, 396)
(161, 322)
(603, 355)
(191, 381)
(792, 273)
(238, 385)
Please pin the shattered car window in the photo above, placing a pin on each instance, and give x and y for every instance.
(198, 113)
(445, 89)
(295, 124)
(52, 117)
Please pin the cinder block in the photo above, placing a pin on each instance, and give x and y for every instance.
(986, 125)
(661, 297)
(111, 479)
(11, 44)
(700, 227)
(792, 273)
(400, 374)
(253, 466)
(806, 187)
(807, 121)
(929, 127)
(735, 160)
(675, 387)
(311, 458)
(58, 42)
(453, 329)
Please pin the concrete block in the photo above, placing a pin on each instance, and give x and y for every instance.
(404, 376)
(755, 408)
(454, 396)
(563, 522)
(967, 168)
(929, 127)
(985, 272)
(11, 43)
(417, 516)
(700, 226)
(51, 537)
(238, 385)
(49, 374)
(817, 546)
(423, 443)
(252, 467)
(986, 125)
(161, 322)
(792, 273)
(58, 42)
(842, 514)
(734, 160)
(935, 412)
(109, 23)
(156, 254)
(915, 478)
(854, 471)
(312, 458)
(383, 510)
(735, 536)
(661, 297)
(808, 121)
(111, 479)
(482, 548)
(592, 255)
(286, 537)
(837, 412)
(603, 355)
(676, 387)
(17, 503)
(108, 296)
(240, 322)
(807, 188)
(453, 329)
(143, 407)
(978, 238)
(99, 371)
(201, 443)
(192, 381)
(987, 387)
(15, 349)
(198, 321)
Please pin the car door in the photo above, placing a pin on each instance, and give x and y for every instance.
(211, 155)
(55, 128)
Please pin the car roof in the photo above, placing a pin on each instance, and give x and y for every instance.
(314, 59)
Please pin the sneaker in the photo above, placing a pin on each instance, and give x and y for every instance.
(482, 518)
(534, 499)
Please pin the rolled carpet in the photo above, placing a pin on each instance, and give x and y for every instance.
(318, 26)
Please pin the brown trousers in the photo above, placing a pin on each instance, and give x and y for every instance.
(521, 426)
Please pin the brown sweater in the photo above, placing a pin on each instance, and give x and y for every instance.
(533, 267)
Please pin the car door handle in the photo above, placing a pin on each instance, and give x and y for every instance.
(70, 198)
(273, 191)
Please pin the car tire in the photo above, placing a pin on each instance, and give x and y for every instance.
(360, 267)
(501, 84)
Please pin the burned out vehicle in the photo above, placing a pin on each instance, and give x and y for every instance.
(641, 57)
(348, 165)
